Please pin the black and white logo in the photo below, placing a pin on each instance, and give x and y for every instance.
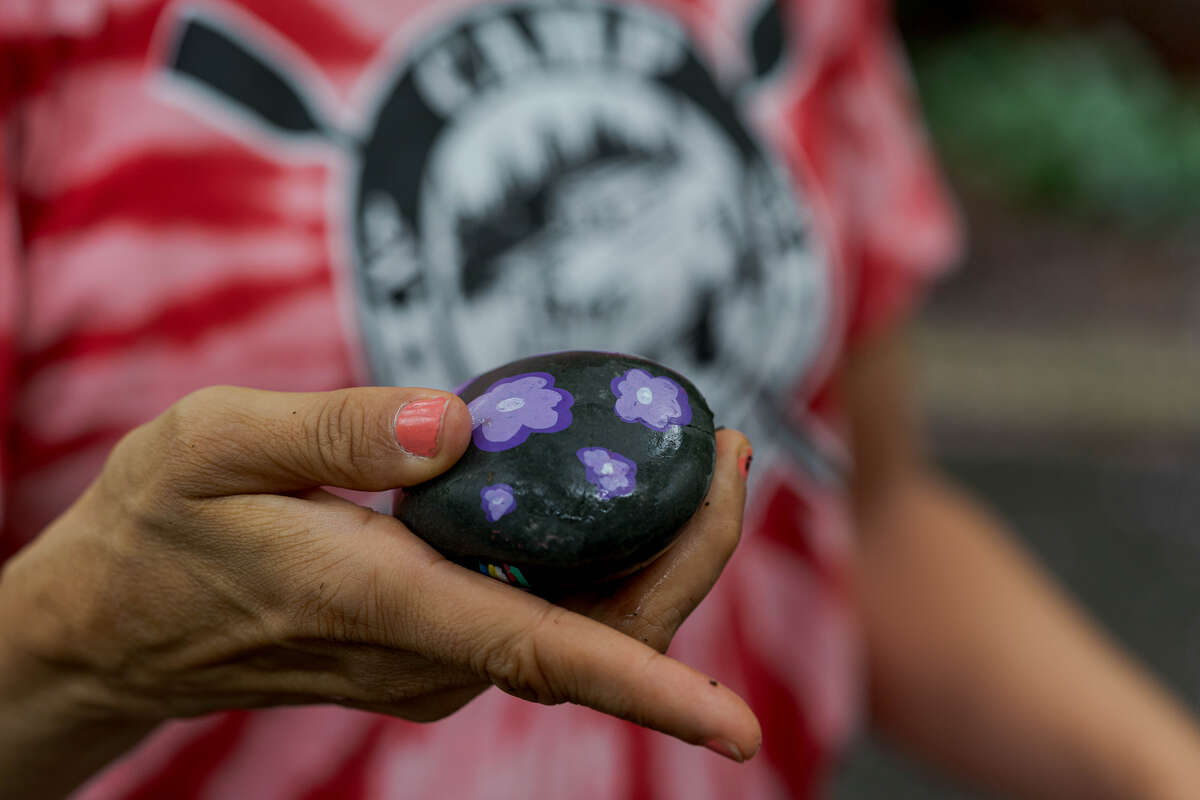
(544, 176)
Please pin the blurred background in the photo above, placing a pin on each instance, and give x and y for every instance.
(1060, 366)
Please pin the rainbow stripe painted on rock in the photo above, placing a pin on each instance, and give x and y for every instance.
(504, 572)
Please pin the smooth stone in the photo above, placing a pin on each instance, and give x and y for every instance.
(557, 490)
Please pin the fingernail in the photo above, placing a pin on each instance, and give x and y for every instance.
(744, 463)
(418, 423)
(727, 749)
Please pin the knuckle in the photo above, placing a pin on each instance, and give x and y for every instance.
(336, 435)
(657, 629)
(196, 412)
(128, 462)
(520, 665)
(188, 442)
(135, 478)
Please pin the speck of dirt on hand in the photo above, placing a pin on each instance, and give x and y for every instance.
(712, 682)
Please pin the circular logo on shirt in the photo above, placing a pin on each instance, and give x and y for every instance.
(547, 176)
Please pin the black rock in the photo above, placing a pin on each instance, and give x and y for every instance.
(583, 466)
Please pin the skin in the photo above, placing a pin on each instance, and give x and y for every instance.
(266, 591)
(205, 569)
(979, 664)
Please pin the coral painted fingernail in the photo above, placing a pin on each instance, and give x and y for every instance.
(744, 463)
(418, 423)
(727, 749)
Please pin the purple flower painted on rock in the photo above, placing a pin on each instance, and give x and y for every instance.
(497, 500)
(612, 473)
(656, 402)
(505, 415)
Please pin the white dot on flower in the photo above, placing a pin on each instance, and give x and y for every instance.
(607, 468)
(644, 395)
(510, 404)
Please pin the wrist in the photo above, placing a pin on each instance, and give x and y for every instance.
(50, 710)
(64, 621)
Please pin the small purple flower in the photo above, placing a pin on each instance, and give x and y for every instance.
(497, 500)
(505, 415)
(656, 403)
(612, 473)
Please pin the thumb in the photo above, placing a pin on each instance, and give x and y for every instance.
(231, 440)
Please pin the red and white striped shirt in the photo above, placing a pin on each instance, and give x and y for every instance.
(273, 193)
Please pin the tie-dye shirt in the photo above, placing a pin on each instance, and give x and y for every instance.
(303, 195)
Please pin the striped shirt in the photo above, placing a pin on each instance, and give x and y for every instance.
(165, 226)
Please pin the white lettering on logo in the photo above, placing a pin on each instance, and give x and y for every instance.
(574, 36)
(506, 50)
(644, 45)
(442, 86)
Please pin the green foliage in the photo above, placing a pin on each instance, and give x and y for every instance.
(1085, 122)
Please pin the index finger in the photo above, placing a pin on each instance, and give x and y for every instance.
(545, 653)
(423, 603)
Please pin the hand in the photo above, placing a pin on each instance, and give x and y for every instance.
(203, 570)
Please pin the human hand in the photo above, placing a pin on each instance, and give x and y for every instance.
(204, 570)
(652, 603)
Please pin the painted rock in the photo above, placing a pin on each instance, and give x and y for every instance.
(582, 466)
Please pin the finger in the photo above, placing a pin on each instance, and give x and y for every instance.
(229, 440)
(545, 653)
(548, 654)
(395, 591)
(651, 604)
